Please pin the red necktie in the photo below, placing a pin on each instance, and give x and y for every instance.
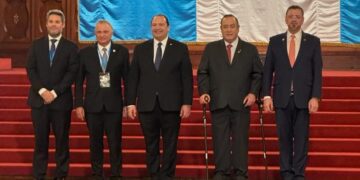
(228, 51)
(292, 50)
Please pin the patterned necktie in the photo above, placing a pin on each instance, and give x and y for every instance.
(292, 50)
(228, 51)
(158, 56)
(104, 59)
(52, 50)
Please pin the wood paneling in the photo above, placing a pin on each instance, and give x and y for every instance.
(22, 21)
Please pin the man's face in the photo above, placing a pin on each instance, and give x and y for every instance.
(54, 25)
(103, 33)
(294, 20)
(229, 29)
(159, 28)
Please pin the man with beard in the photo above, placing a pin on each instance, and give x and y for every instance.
(51, 69)
(294, 59)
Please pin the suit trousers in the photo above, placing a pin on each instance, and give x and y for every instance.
(43, 118)
(97, 123)
(293, 132)
(155, 124)
(230, 133)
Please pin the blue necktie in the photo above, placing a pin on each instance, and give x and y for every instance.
(104, 59)
(158, 56)
(52, 50)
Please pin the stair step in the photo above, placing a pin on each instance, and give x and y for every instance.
(188, 143)
(324, 117)
(191, 129)
(191, 171)
(352, 105)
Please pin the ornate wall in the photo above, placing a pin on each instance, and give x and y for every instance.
(22, 21)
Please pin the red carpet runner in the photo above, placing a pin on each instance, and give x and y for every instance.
(334, 136)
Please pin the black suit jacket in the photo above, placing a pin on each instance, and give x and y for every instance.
(305, 75)
(95, 97)
(228, 84)
(173, 83)
(58, 77)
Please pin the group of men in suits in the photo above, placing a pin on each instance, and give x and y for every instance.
(159, 89)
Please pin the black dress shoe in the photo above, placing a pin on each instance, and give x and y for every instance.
(220, 176)
(59, 178)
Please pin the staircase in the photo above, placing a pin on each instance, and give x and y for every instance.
(334, 151)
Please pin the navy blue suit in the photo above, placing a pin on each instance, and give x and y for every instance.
(292, 114)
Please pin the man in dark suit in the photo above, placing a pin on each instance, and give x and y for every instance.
(51, 68)
(160, 88)
(103, 65)
(229, 78)
(295, 60)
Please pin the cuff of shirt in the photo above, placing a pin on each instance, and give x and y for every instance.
(129, 106)
(267, 97)
(53, 93)
(42, 90)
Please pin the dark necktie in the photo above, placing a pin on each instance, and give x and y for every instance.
(228, 51)
(158, 56)
(52, 50)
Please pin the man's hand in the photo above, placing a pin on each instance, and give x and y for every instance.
(249, 100)
(80, 113)
(313, 105)
(204, 99)
(48, 97)
(268, 105)
(185, 111)
(124, 112)
(131, 111)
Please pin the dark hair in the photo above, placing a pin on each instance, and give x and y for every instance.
(295, 7)
(56, 12)
(229, 15)
(167, 21)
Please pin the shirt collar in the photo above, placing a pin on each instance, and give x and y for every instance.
(57, 38)
(163, 42)
(234, 43)
(100, 47)
(297, 34)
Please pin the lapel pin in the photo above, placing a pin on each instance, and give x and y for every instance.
(114, 50)
(239, 51)
(170, 44)
(283, 39)
(304, 39)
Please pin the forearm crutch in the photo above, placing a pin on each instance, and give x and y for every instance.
(205, 139)
(261, 107)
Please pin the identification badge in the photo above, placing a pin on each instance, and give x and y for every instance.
(104, 78)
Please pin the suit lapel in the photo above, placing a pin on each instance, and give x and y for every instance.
(302, 48)
(111, 56)
(223, 52)
(46, 56)
(237, 52)
(95, 54)
(284, 49)
(59, 48)
(168, 51)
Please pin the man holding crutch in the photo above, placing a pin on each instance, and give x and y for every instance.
(229, 76)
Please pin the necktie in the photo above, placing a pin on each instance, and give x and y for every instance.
(52, 50)
(292, 50)
(158, 56)
(228, 51)
(104, 59)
